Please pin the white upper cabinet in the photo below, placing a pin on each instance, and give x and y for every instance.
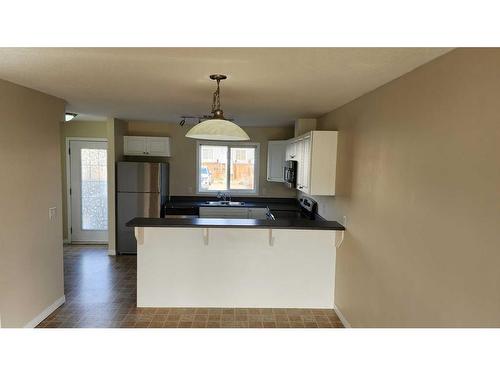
(146, 146)
(276, 151)
(134, 145)
(158, 146)
(291, 152)
(305, 164)
(316, 155)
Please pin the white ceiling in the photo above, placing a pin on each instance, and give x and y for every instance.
(266, 86)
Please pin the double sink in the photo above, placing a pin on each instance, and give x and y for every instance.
(224, 203)
(223, 210)
(238, 209)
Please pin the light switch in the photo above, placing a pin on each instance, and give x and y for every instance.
(52, 213)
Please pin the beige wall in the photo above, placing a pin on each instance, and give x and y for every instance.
(183, 160)
(31, 258)
(80, 129)
(419, 181)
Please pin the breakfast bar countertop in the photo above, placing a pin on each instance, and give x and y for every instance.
(292, 223)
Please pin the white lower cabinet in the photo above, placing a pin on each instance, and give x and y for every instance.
(233, 212)
(224, 212)
(257, 213)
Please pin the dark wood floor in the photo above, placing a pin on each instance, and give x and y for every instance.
(101, 293)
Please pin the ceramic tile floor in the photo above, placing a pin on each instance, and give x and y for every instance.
(101, 293)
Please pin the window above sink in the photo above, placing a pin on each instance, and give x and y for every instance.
(227, 167)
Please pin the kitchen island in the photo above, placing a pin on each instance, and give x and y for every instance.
(202, 262)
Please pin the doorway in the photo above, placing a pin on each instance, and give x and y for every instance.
(88, 191)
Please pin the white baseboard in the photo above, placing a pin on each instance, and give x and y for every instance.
(89, 242)
(45, 313)
(341, 316)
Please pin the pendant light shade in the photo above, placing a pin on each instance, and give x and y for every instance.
(217, 127)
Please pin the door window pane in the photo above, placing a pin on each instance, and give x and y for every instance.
(242, 168)
(94, 189)
(213, 168)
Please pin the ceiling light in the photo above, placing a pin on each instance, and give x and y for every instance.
(217, 127)
(69, 116)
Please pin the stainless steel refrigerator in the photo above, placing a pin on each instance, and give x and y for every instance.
(141, 191)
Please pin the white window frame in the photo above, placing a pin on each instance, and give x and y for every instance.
(229, 145)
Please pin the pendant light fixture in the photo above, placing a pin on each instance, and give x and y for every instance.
(217, 127)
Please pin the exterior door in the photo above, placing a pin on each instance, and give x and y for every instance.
(89, 191)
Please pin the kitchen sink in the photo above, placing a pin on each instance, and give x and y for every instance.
(225, 203)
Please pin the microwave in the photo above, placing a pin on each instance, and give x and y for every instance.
(290, 173)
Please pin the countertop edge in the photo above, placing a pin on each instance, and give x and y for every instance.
(236, 223)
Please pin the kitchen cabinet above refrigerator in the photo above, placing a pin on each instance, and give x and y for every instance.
(146, 146)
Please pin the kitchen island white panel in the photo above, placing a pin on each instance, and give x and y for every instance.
(235, 267)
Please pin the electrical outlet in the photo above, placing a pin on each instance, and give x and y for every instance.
(52, 213)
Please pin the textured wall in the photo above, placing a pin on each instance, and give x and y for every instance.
(419, 181)
(31, 257)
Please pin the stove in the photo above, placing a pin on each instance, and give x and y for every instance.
(308, 208)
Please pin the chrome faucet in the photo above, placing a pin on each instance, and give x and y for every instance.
(226, 197)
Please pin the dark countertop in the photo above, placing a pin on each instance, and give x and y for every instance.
(236, 223)
(190, 202)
